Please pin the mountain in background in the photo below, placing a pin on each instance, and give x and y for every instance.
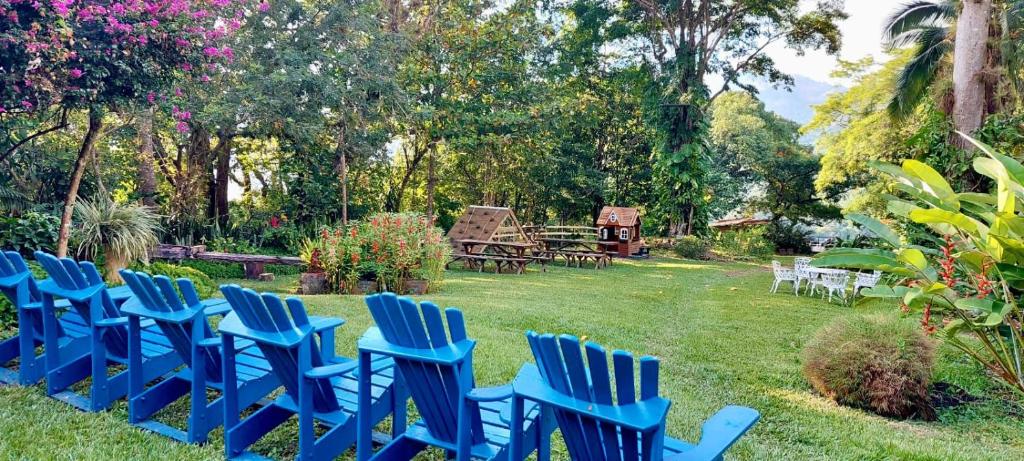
(796, 105)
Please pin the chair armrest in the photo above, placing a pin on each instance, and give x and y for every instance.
(57, 304)
(719, 433)
(240, 344)
(325, 323)
(112, 322)
(490, 394)
(221, 308)
(330, 371)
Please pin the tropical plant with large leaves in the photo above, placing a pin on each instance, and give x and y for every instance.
(970, 284)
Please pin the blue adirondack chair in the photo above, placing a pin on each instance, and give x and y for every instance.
(70, 335)
(108, 333)
(466, 421)
(182, 317)
(318, 387)
(597, 429)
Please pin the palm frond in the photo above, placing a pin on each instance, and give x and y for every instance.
(915, 78)
(11, 199)
(916, 15)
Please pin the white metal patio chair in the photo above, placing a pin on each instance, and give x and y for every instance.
(800, 265)
(835, 283)
(782, 274)
(865, 280)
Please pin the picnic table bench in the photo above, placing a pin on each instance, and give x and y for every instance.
(577, 251)
(505, 255)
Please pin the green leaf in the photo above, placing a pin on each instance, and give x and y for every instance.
(876, 227)
(913, 257)
(863, 261)
(933, 182)
(957, 221)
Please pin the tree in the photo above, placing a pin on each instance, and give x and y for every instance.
(690, 39)
(983, 48)
(95, 56)
(761, 152)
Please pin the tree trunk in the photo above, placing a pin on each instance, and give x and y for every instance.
(341, 167)
(146, 170)
(431, 181)
(223, 179)
(84, 154)
(969, 55)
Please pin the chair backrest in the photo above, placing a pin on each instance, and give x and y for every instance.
(868, 279)
(435, 388)
(265, 315)
(71, 276)
(800, 264)
(19, 286)
(835, 279)
(157, 297)
(561, 365)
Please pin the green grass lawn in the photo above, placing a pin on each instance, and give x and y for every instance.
(721, 337)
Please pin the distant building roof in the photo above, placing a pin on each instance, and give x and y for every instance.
(740, 222)
(618, 216)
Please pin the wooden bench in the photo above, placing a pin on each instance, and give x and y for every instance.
(477, 261)
(253, 264)
(580, 257)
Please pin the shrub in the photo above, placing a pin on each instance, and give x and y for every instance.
(877, 363)
(386, 247)
(745, 243)
(205, 286)
(29, 232)
(692, 247)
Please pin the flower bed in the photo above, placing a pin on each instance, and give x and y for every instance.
(388, 248)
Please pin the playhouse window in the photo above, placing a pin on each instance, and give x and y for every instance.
(624, 233)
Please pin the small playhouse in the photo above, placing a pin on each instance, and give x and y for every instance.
(619, 227)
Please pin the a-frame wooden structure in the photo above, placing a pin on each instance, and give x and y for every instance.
(486, 223)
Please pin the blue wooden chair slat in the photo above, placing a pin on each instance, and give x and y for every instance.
(597, 428)
(318, 387)
(601, 382)
(108, 334)
(434, 364)
(186, 327)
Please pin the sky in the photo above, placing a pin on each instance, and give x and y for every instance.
(861, 37)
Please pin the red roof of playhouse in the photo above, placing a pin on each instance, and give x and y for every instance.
(618, 216)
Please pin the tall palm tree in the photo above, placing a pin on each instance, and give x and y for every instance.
(928, 27)
(925, 26)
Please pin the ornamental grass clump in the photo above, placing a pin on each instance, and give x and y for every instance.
(121, 233)
(876, 363)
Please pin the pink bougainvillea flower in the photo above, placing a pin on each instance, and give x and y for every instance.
(75, 73)
(211, 51)
(177, 92)
(182, 127)
(204, 78)
(27, 105)
(264, 7)
(151, 97)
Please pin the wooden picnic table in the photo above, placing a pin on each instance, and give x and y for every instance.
(511, 255)
(577, 250)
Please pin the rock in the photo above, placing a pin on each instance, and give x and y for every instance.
(266, 277)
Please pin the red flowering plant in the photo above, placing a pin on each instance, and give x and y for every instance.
(338, 255)
(967, 290)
